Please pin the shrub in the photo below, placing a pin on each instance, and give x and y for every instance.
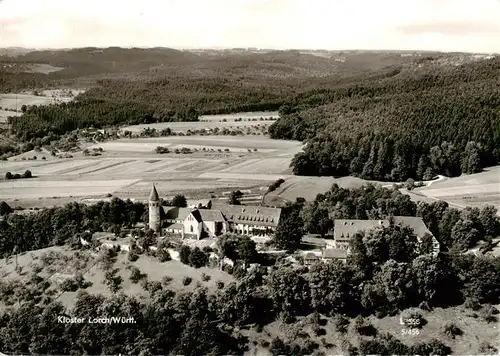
(341, 324)
(219, 284)
(145, 284)
(205, 277)
(364, 328)
(488, 313)
(153, 286)
(162, 255)
(186, 281)
(69, 285)
(452, 330)
(132, 256)
(166, 280)
(433, 347)
(372, 347)
(82, 283)
(487, 348)
(136, 275)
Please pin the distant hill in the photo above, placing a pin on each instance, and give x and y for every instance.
(380, 115)
(437, 115)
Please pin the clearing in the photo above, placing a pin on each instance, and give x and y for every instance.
(11, 101)
(467, 190)
(475, 331)
(60, 263)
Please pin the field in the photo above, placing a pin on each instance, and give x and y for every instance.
(127, 167)
(10, 102)
(245, 120)
(467, 190)
(308, 187)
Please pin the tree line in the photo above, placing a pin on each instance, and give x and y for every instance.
(454, 229)
(64, 225)
(410, 125)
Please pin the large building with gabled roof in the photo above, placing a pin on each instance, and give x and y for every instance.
(211, 220)
(345, 229)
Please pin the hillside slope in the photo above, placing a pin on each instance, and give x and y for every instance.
(426, 119)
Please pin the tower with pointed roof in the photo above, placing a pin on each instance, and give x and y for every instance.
(154, 210)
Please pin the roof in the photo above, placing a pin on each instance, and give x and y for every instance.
(349, 227)
(196, 214)
(334, 253)
(153, 196)
(251, 215)
(416, 223)
(196, 203)
(211, 215)
(314, 241)
(310, 256)
(175, 226)
(174, 213)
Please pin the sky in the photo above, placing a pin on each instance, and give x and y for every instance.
(437, 25)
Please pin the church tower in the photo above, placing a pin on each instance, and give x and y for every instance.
(154, 210)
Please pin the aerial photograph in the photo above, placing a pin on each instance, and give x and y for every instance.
(250, 177)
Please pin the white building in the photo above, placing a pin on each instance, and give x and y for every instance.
(197, 222)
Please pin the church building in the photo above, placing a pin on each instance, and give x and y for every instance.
(212, 219)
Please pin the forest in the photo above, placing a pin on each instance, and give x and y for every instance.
(387, 273)
(132, 86)
(414, 124)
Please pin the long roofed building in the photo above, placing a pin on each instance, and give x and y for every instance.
(211, 220)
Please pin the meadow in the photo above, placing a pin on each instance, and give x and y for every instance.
(127, 167)
(9, 102)
(468, 189)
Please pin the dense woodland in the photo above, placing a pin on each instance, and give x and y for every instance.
(415, 124)
(386, 273)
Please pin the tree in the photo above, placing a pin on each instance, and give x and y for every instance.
(234, 197)
(228, 247)
(179, 201)
(426, 244)
(316, 218)
(330, 288)
(433, 278)
(8, 175)
(163, 255)
(289, 291)
(198, 258)
(112, 280)
(5, 209)
(489, 220)
(184, 254)
(471, 158)
(464, 234)
(290, 227)
(247, 250)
